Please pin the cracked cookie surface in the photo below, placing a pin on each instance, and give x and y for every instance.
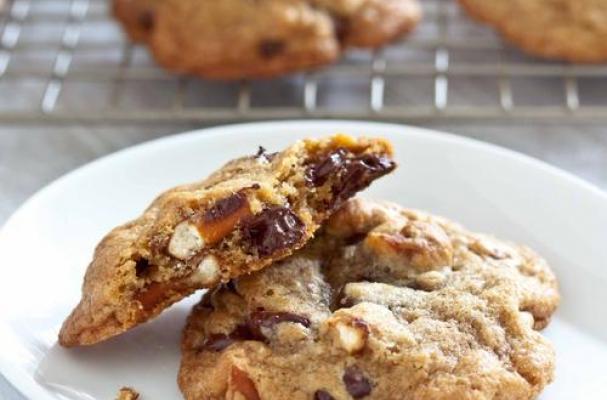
(571, 30)
(251, 212)
(232, 39)
(384, 303)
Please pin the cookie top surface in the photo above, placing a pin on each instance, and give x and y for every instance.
(385, 303)
(251, 212)
(232, 39)
(571, 30)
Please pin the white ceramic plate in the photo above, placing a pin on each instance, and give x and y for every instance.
(46, 245)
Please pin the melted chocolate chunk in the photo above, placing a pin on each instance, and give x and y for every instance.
(359, 172)
(146, 20)
(267, 319)
(142, 266)
(350, 173)
(356, 383)
(273, 229)
(322, 395)
(225, 207)
(270, 48)
(317, 174)
(252, 329)
(220, 342)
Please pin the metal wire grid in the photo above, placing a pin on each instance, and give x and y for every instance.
(436, 56)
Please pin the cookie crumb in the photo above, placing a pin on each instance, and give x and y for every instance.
(126, 393)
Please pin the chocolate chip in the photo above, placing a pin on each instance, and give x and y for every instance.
(142, 267)
(270, 48)
(252, 330)
(359, 173)
(341, 27)
(273, 229)
(225, 207)
(219, 342)
(322, 395)
(356, 383)
(263, 155)
(318, 173)
(267, 319)
(349, 173)
(146, 20)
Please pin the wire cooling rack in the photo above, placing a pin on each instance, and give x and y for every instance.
(68, 61)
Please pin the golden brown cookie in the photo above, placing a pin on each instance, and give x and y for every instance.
(385, 303)
(233, 39)
(571, 30)
(137, 17)
(126, 393)
(251, 212)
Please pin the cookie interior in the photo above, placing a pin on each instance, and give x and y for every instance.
(251, 212)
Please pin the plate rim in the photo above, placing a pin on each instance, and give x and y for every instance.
(24, 383)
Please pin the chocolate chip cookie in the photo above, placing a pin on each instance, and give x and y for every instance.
(253, 211)
(385, 303)
(571, 30)
(233, 39)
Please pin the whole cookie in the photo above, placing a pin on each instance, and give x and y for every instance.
(251, 212)
(386, 303)
(232, 39)
(572, 30)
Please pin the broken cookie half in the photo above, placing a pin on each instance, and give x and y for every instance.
(253, 211)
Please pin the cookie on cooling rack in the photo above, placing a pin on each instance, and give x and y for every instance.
(137, 17)
(253, 211)
(232, 39)
(571, 30)
(387, 303)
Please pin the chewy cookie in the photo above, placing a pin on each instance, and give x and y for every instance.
(386, 303)
(572, 30)
(253, 211)
(231, 39)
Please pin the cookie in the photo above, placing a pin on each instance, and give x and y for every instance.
(571, 30)
(385, 303)
(232, 39)
(137, 17)
(253, 211)
(126, 393)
